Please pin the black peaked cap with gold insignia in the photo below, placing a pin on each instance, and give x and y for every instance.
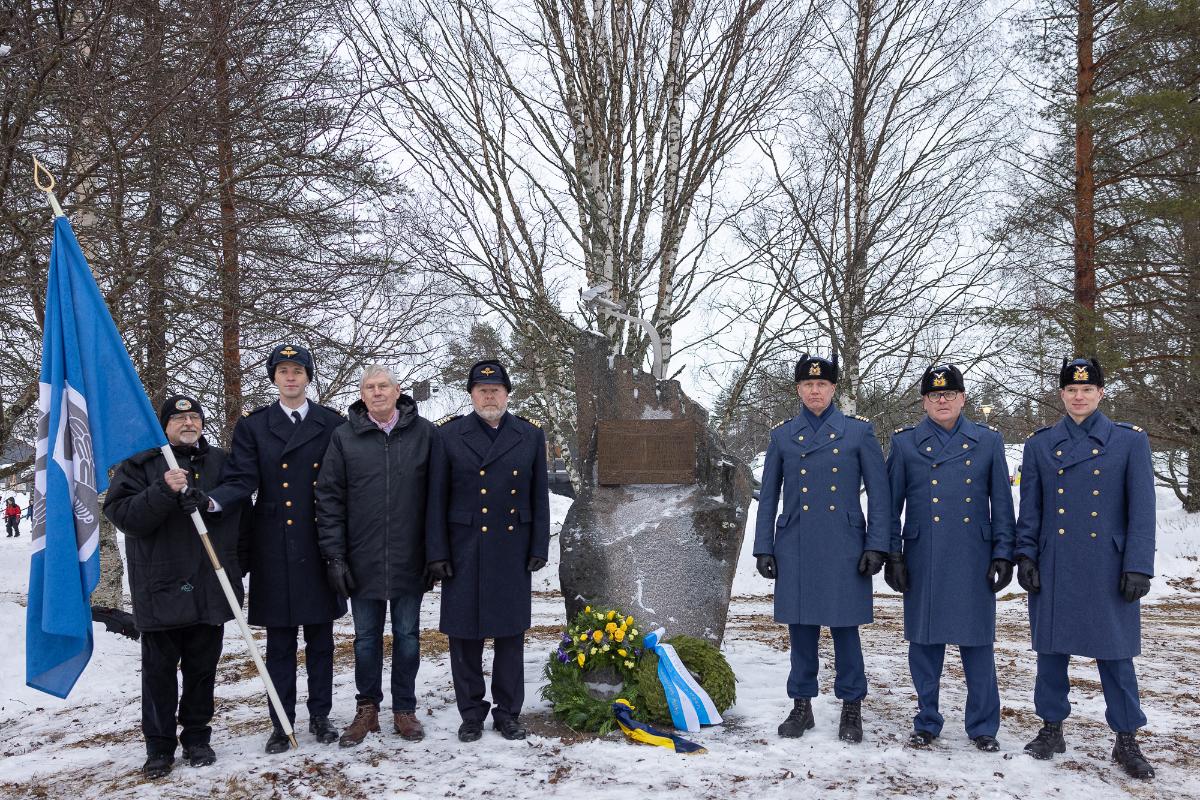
(289, 352)
(488, 371)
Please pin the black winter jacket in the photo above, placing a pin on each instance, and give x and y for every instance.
(171, 580)
(371, 497)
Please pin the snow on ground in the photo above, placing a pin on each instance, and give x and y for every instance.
(90, 746)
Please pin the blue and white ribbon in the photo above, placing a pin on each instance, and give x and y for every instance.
(690, 705)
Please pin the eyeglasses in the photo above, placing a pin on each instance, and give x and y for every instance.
(949, 397)
(193, 418)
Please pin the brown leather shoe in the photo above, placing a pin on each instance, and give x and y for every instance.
(366, 720)
(408, 726)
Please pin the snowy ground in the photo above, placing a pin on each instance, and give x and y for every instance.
(90, 745)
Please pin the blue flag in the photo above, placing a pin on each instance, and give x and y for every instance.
(92, 414)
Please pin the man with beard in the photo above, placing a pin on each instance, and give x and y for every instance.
(178, 604)
(488, 531)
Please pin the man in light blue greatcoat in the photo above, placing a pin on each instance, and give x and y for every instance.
(949, 476)
(1085, 554)
(820, 550)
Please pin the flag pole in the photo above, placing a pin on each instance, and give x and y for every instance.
(236, 607)
(47, 186)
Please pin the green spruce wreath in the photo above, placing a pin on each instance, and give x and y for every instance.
(703, 660)
(575, 706)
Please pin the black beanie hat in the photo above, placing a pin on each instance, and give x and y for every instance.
(179, 404)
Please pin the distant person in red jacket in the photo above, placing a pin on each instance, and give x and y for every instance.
(12, 518)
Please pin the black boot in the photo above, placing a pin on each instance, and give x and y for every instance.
(470, 730)
(799, 720)
(158, 765)
(509, 728)
(199, 755)
(1127, 753)
(1048, 742)
(850, 727)
(921, 739)
(323, 729)
(279, 742)
(987, 744)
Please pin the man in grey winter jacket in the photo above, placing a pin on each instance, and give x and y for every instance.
(371, 497)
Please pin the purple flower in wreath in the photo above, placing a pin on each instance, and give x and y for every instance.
(562, 656)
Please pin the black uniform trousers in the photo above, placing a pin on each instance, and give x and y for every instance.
(318, 663)
(195, 650)
(508, 677)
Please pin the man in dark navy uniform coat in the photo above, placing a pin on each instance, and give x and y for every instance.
(821, 551)
(277, 451)
(1085, 554)
(488, 530)
(950, 477)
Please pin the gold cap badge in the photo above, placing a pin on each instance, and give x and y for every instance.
(487, 371)
(814, 368)
(183, 404)
(1081, 374)
(939, 380)
(289, 351)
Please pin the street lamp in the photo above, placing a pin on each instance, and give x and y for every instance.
(593, 297)
(987, 411)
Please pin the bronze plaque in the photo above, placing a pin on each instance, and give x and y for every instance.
(646, 451)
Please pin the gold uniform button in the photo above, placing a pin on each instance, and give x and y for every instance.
(1061, 531)
(937, 519)
(835, 469)
(966, 519)
(512, 491)
(804, 489)
(936, 500)
(805, 508)
(1061, 490)
(968, 462)
(803, 472)
(968, 480)
(288, 503)
(483, 491)
(510, 527)
(1095, 472)
(484, 509)
(1060, 472)
(1095, 513)
(283, 465)
(197, 475)
(1095, 452)
(1095, 491)
(928, 449)
(967, 499)
(802, 438)
(833, 488)
(1058, 452)
(1062, 511)
(934, 481)
(833, 436)
(512, 511)
(290, 522)
(482, 472)
(314, 483)
(285, 484)
(935, 466)
(1093, 535)
(316, 465)
(965, 445)
(835, 451)
(833, 508)
(514, 473)
(484, 529)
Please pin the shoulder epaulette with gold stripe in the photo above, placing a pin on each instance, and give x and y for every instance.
(535, 423)
(1132, 427)
(446, 419)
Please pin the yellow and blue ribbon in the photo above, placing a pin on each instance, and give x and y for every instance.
(646, 734)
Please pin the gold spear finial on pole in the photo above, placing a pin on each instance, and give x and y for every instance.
(48, 187)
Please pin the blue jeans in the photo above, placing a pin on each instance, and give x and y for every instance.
(406, 649)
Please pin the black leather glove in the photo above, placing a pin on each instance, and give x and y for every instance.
(1134, 585)
(1027, 575)
(440, 570)
(895, 574)
(534, 564)
(430, 581)
(766, 567)
(338, 574)
(999, 574)
(871, 562)
(192, 499)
